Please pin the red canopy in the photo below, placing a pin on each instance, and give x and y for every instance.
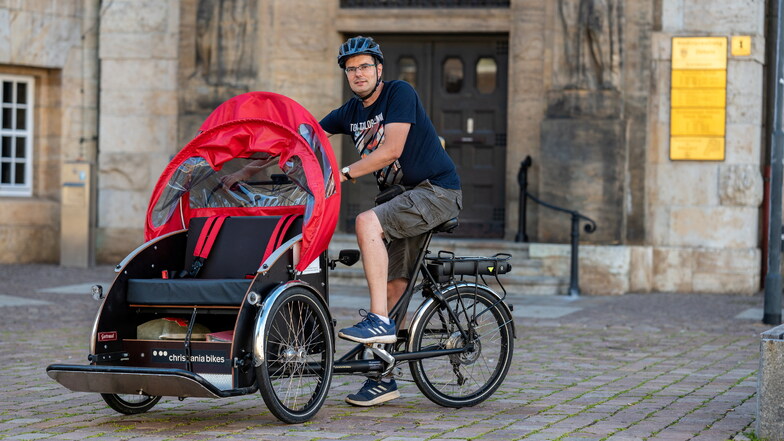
(256, 126)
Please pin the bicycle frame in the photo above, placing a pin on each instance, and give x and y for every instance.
(348, 364)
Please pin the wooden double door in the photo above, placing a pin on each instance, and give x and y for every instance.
(462, 81)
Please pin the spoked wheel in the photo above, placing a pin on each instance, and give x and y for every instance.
(130, 404)
(469, 377)
(297, 370)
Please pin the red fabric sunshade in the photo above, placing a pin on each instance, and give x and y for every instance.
(248, 124)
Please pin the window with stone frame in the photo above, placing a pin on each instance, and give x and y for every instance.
(424, 3)
(16, 135)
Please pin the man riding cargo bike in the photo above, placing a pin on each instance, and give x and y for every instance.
(396, 142)
(229, 295)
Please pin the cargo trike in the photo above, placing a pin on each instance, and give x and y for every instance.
(229, 295)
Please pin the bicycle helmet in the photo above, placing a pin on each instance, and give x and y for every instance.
(358, 46)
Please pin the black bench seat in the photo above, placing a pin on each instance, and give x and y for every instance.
(187, 292)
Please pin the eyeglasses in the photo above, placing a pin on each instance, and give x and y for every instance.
(362, 68)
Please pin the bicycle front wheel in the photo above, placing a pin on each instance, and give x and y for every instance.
(295, 375)
(129, 404)
(470, 377)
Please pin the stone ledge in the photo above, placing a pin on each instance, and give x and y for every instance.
(29, 212)
(776, 333)
(617, 269)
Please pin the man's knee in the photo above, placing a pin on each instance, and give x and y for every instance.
(367, 224)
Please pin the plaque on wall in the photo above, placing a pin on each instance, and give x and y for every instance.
(698, 98)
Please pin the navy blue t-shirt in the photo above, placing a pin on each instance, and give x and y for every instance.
(422, 157)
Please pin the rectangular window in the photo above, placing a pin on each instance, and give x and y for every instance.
(16, 133)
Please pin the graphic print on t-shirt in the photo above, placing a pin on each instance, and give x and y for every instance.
(368, 135)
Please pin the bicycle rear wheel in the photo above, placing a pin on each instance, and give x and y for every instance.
(297, 370)
(467, 378)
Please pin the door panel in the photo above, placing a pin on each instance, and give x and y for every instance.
(469, 111)
(462, 82)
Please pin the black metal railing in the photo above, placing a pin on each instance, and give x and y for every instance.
(522, 236)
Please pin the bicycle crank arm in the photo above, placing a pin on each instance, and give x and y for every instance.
(358, 367)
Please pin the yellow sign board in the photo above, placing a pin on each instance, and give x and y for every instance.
(697, 122)
(741, 46)
(696, 79)
(702, 148)
(699, 53)
(698, 98)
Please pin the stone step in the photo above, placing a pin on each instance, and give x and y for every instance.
(461, 247)
(526, 277)
(515, 285)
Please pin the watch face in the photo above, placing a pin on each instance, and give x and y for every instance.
(344, 170)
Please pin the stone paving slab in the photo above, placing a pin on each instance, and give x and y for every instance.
(635, 367)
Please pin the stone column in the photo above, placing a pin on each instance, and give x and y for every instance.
(77, 170)
(138, 118)
(528, 57)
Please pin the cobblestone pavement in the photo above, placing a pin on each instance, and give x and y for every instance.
(635, 367)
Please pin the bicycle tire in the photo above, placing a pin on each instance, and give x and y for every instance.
(465, 379)
(129, 404)
(297, 370)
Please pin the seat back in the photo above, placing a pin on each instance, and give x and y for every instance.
(239, 247)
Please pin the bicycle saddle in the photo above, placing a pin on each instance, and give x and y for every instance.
(447, 226)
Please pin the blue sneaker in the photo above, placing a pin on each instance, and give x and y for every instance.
(374, 392)
(370, 330)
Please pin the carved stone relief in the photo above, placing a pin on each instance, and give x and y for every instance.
(591, 37)
(225, 32)
(217, 59)
(741, 185)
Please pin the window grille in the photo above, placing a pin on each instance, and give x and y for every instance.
(424, 3)
(16, 135)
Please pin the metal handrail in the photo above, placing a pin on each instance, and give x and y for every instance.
(522, 236)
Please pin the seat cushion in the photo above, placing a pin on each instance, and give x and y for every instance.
(207, 292)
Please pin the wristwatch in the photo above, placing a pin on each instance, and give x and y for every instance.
(345, 172)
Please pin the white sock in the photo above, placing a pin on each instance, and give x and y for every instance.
(383, 319)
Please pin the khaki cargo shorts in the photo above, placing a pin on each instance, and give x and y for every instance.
(408, 216)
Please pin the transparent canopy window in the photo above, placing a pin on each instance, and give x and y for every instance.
(257, 181)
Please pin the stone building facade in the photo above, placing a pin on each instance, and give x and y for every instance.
(581, 86)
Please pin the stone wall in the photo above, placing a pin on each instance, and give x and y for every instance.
(164, 65)
(699, 228)
(42, 39)
(702, 217)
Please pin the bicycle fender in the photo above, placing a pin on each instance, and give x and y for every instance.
(261, 321)
(416, 322)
